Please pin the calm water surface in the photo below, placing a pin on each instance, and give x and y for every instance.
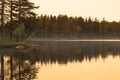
(62, 61)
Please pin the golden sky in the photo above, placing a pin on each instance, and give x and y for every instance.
(108, 9)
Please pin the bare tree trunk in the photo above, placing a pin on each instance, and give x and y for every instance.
(19, 10)
(2, 17)
(11, 18)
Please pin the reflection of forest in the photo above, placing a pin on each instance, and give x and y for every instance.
(18, 65)
(64, 52)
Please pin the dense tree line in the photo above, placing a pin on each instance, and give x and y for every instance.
(18, 19)
(64, 26)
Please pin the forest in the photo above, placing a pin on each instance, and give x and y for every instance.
(18, 20)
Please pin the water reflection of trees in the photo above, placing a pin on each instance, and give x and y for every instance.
(18, 66)
(77, 51)
(21, 65)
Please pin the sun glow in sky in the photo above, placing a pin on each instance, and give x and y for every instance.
(108, 9)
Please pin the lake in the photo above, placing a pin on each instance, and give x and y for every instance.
(64, 60)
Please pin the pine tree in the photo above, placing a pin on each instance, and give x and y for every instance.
(4, 14)
(24, 8)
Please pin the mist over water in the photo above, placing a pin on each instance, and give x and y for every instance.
(75, 40)
(64, 60)
(80, 60)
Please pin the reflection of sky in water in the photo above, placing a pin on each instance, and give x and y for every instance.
(65, 61)
(108, 69)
